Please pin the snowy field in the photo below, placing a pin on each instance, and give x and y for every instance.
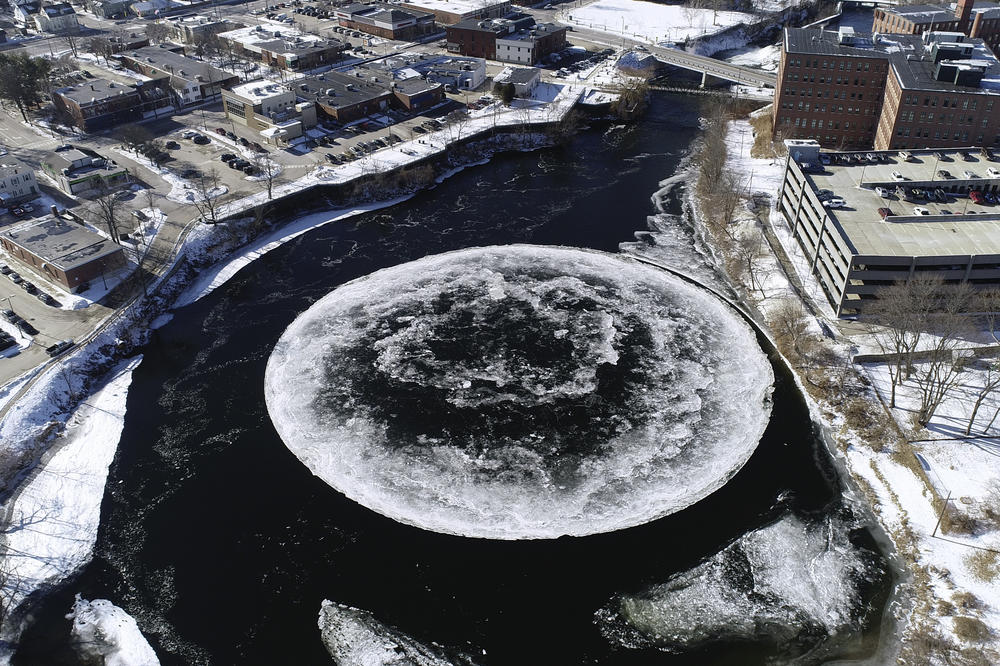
(652, 22)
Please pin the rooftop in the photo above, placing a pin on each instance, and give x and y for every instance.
(258, 91)
(455, 6)
(910, 57)
(536, 31)
(95, 90)
(517, 75)
(955, 227)
(177, 64)
(925, 14)
(383, 13)
(61, 243)
(337, 90)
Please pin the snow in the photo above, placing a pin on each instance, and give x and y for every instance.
(211, 278)
(55, 515)
(766, 57)
(653, 448)
(792, 582)
(652, 22)
(105, 634)
(353, 637)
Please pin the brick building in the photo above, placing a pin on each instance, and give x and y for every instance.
(389, 21)
(516, 39)
(191, 81)
(973, 19)
(343, 98)
(852, 91)
(101, 104)
(63, 252)
(270, 108)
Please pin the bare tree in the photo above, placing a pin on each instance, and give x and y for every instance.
(897, 320)
(157, 32)
(750, 248)
(788, 322)
(109, 211)
(134, 136)
(70, 38)
(206, 196)
(101, 47)
(267, 170)
(991, 382)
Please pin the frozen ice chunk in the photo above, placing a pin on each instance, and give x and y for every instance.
(105, 634)
(596, 394)
(353, 637)
(791, 583)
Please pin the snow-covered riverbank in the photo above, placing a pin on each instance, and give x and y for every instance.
(52, 521)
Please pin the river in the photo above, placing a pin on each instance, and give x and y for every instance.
(222, 545)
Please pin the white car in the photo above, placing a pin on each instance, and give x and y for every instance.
(897, 175)
(882, 192)
(994, 172)
(920, 210)
(969, 174)
(835, 203)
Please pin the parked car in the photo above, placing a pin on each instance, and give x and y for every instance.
(59, 348)
(201, 139)
(897, 176)
(172, 145)
(227, 157)
(940, 195)
(29, 287)
(244, 141)
(835, 203)
(250, 170)
(26, 327)
(5, 269)
(920, 210)
(190, 173)
(967, 157)
(976, 196)
(18, 212)
(884, 212)
(9, 315)
(969, 175)
(15, 278)
(990, 197)
(221, 130)
(943, 173)
(882, 192)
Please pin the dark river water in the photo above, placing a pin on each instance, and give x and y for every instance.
(222, 545)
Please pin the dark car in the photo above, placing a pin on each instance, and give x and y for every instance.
(201, 139)
(250, 170)
(244, 141)
(190, 173)
(257, 147)
(9, 315)
(26, 327)
(240, 164)
(15, 278)
(221, 130)
(940, 195)
(172, 145)
(29, 287)
(231, 135)
(59, 348)
(5, 269)
(990, 197)
(18, 212)
(227, 157)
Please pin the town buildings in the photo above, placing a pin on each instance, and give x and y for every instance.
(342, 98)
(62, 251)
(516, 39)
(923, 222)
(524, 79)
(80, 171)
(101, 104)
(448, 12)
(971, 18)
(190, 81)
(190, 29)
(270, 108)
(17, 181)
(459, 73)
(854, 91)
(285, 48)
(51, 18)
(389, 21)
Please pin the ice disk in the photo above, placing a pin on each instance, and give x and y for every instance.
(520, 392)
(791, 583)
(105, 634)
(353, 637)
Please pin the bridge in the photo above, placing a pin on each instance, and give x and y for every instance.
(712, 68)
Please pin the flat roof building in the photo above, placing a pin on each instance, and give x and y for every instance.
(270, 108)
(389, 21)
(448, 12)
(62, 251)
(191, 80)
(286, 48)
(849, 90)
(858, 240)
(966, 17)
(81, 171)
(341, 97)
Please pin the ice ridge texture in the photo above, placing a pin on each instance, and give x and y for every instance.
(520, 392)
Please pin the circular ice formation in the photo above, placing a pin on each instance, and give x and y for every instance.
(520, 392)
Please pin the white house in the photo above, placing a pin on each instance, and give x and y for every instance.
(525, 79)
(17, 182)
(56, 19)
